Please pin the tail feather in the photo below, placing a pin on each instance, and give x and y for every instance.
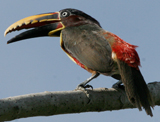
(135, 87)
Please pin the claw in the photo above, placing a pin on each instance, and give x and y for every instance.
(118, 85)
(84, 84)
(88, 86)
(81, 87)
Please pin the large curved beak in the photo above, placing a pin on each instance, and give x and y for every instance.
(48, 24)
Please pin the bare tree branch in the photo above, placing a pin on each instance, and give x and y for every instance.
(53, 103)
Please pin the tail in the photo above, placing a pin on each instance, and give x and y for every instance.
(135, 87)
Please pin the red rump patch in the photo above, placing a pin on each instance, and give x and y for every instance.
(125, 52)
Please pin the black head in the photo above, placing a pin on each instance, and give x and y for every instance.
(75, 17)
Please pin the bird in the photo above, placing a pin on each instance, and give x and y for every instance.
(91, 47)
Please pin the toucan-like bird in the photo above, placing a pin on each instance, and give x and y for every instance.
(91, 47)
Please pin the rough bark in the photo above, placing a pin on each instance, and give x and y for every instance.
(76, 101)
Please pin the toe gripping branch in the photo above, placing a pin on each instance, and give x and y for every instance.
(83, 84)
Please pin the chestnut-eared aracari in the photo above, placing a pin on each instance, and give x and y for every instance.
(91, 47)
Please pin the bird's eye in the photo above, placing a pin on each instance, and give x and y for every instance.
(65, 14)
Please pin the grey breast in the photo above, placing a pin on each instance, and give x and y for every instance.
(87, 44)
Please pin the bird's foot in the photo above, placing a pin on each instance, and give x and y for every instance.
(118, 85)
(115, 85)
(88, 86)
(82, 87)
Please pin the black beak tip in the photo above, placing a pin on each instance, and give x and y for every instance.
(8, 42)
(14, 39)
